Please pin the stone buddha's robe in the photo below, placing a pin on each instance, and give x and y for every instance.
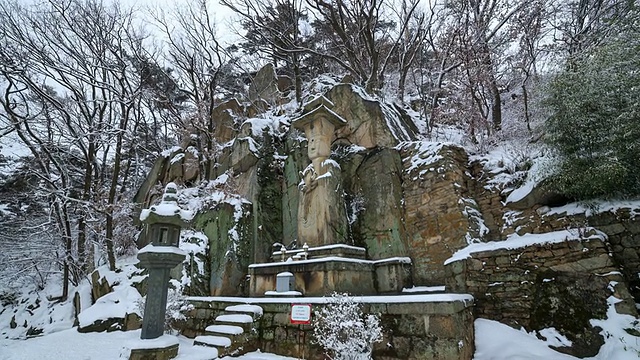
(322, 216)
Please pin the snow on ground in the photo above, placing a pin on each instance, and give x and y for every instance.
(494, 341)
(619, 343)
(32, 309)
(72, 345)
(121, 301)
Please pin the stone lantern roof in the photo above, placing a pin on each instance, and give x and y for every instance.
(168, 210)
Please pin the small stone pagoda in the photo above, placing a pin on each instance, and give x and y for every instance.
(325, 262)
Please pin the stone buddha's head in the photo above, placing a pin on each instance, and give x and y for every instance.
(320, 135)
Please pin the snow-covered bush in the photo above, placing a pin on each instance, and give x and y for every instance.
(344, 331)
(177, 305)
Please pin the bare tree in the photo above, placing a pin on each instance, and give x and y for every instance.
(481, 37)
(72, 98)
(198, 61)
(273, 28)
(411, 43)
(364, 35)
(582, 24)
(529, 27)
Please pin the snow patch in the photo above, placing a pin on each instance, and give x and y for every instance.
(596, 207)
(617, 331)
(426, 153)
(515, 241)
(382, 299)
(496, 341)
(167, 152)
(117, 304)
(163, 341)
(424, 289)
(162, 250)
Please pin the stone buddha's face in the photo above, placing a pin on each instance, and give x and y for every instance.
(319, 134)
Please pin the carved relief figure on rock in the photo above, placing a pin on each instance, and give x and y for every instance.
(321, 211)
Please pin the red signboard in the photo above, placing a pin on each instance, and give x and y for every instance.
(301, 314)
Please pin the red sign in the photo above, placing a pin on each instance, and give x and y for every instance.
(301, 314)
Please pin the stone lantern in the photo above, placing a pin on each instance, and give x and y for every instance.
(163, 222)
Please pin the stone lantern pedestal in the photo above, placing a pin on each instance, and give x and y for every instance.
(164, 222)
(159, 263)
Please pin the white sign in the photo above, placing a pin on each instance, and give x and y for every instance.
(301, 313)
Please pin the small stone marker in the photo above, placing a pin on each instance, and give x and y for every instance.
(285, 281)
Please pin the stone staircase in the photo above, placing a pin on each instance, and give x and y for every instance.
(233, 332)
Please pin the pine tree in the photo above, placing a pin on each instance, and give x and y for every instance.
(595, 126)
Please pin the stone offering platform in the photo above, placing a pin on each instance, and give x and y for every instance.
(339, 268)
(428, 326)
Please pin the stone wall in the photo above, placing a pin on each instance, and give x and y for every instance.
(561, 285)
(424, 330)
(623, 231)
(488, 199)
(621, 225)
(435, 217)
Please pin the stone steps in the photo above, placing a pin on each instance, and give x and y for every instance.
(232, 333)
(205, 352)
(254, 311)
(242, 320)
(212, 341)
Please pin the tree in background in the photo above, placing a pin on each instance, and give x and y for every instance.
(72, 97)
(363, 36)
(595, 126)
(273, 30)
(199, 65)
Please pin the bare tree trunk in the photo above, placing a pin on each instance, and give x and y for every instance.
(297, 79)
(525, 100)
(496, 105)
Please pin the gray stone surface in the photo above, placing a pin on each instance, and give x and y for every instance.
(160, 353)
(265, 85)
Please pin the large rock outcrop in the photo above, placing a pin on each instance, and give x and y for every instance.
(376, 202)
(417, 199)
(228, 227)
(370, 123)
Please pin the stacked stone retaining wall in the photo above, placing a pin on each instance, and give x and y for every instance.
(435, 216)
(621, 225)
(414, 330)
(555, 285)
